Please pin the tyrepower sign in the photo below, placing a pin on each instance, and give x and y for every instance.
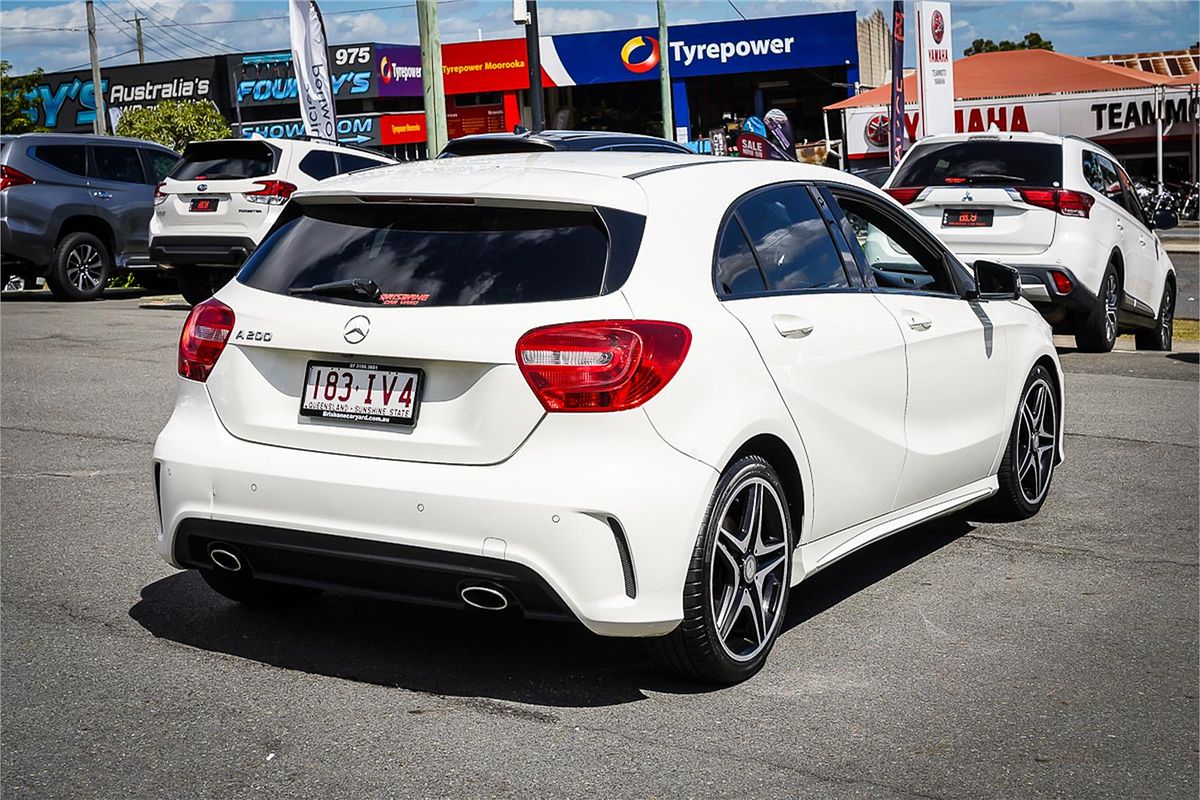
(1092, 115)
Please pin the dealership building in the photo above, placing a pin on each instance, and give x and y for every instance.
(720, 71)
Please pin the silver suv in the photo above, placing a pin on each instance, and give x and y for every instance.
(74, 209)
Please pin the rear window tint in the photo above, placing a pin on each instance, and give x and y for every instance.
(449, 256)
(224, 160)
(351, 163)
(319, 164)
(67, 157)
(982, 163)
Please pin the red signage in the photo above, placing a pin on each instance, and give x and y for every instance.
(466, 120)
(751, 145)
(486, 66)
(408, 128)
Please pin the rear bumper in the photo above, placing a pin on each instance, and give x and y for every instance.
(546, 525)
(203, 251)
(27, 249)
(1038, 286)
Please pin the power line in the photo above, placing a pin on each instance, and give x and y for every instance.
(735, 8)
(106, 58)
(146, 13)
(104, 9)
(179, 42)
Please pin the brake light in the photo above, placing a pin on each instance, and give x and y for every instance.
(203, 339)
(159, 195)
(274, 193)
(1062, 284)
(10, 177)
(905, 194)
(1060, 201)
(610, 365)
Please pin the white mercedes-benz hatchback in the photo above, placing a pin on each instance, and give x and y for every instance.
(648, 392)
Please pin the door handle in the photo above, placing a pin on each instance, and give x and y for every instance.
(918, 322)
(102, 195)
(792, 327)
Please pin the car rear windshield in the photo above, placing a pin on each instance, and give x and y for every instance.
(982, 163)
(224, 160)
(438, 255)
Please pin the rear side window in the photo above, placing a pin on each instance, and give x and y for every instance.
(737, 269)
(120, 164)
(351, 163)
(319, 164)
(224, 160)
(791, 240)
(988, 162)
(447, 255)
(67, 157)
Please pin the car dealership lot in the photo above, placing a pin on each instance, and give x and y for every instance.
(1051, 657)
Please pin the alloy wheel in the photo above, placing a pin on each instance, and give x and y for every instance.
(1036, 439)
(1111, 299)
(85, 268)
(749, 569)
(1166, 319)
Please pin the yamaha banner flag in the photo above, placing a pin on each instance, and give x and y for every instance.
(896, 140)
(310, 54)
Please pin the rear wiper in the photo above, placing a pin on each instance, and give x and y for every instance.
(990, 177)
(353, 288)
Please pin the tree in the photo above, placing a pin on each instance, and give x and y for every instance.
(174, 123)
(1032, 41)
(18, 106)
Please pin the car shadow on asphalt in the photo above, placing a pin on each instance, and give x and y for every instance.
(478, 654)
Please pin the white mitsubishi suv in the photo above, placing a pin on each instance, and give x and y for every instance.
(1062, 211)
(646, 392)
(214, 208)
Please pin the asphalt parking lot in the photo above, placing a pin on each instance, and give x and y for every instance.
(1056, 657)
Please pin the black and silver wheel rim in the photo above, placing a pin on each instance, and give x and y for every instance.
(85, 267)
(749, 569)
(1111, 299)
(1037, 433)
(1166, 321)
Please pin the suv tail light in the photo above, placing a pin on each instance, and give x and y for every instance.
(905, 194)
(609, 365)
(274, 193)
(1060, 201)
(203, 339)
(159, 195)
(13, 177)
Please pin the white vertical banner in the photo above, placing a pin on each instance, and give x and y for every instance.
(310, 57)
(935, 68)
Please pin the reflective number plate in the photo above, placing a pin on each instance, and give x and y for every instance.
(204, 204)
(967, 218)
(361, 393)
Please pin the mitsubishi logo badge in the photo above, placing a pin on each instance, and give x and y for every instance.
(356, 329)
(967, 197)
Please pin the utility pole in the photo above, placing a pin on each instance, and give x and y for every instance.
(100, 126)
(664, 73)
(431, 77)
(533, 47)
(137, 21)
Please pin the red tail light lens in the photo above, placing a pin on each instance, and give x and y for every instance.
(203, 339)
(610, 365)
(159, 196)
(905, 194)
(10, 177)
(1060, 201)
(274, 193)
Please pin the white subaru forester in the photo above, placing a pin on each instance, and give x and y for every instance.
(1062, 211)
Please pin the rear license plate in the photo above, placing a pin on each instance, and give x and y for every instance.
(967, 218)
(204, 204)
(361, 393)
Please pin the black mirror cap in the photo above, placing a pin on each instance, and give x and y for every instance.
(997, 281)
(1165, 219)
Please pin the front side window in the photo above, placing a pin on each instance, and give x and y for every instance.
(791, 240)
(120, 164)
(895, 256)
(159, 164)
(1131, 199)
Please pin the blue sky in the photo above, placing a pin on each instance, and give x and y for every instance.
(51, 33)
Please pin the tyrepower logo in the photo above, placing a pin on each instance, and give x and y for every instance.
(391, 71)
(637, 43)
(876, 130)
(937, 26)
(723, 51)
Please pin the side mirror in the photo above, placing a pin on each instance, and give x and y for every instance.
(1165, 219)
(996, 281)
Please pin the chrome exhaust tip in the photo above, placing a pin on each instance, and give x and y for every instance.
(224, 559)
(484, 597)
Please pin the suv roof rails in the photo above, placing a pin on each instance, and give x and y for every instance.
(306, 138)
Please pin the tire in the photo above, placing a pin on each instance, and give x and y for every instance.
(242, 587)
(1024, 480)
(1096, 331)
(717, 591)
(80, 268)
(157, 282)
(197, 284)
(1163, 335)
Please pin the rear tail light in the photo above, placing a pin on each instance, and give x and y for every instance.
(905, 194)
(1060, 201)
(274, 193)
(203, 339)
(10, 177)
(1062, 284)
(610, 365)
(159, 195)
